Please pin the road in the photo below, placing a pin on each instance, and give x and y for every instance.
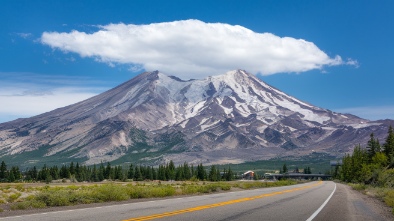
(316, 200)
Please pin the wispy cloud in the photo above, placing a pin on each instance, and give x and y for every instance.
(371, 113)
(192, 47)
(28, 94)
(24, 35)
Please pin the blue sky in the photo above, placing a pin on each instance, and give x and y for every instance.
(336, 55)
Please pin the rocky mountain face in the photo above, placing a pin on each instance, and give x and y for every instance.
(154, 118)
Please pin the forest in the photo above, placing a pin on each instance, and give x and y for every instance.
(96, 173)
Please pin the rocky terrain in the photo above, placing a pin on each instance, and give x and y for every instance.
(154, 118)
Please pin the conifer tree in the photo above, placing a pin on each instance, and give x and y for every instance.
(373, 146)
(78, 172)
(72, 168)
(171, 171)
(95, 177)
(229, 175)
(285, 170)
(389, 145)
(3, 170)
(162, 173)
(11, 177)
(201, 174)
(54, 171)
(153, 172)
(212, 175)
(137, 174)
(130, 173)
(101, 172)
(186, 171)
(107, 171)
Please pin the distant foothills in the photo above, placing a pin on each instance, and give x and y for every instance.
(154, 119)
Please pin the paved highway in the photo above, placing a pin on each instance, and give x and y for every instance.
(311, 201)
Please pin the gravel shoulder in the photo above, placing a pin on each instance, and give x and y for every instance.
(350, 204)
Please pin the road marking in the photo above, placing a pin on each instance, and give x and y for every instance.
(323, 205)
(209, 206)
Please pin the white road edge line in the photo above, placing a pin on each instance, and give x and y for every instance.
(322, 206)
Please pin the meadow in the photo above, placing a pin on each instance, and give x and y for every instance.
(22, 196)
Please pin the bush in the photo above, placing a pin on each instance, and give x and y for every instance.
(135, 192)
(386, 178)
(28, 205)
(55, 197)
(389, 198)
(14, 197)
(358, 186)
(111, 192)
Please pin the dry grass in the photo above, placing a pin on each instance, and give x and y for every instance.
(39, 195)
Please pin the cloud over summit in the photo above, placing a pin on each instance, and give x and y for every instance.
(193, 49)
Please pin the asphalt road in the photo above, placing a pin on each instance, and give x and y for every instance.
(316, 200)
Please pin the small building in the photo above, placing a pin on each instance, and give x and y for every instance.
(248, 175)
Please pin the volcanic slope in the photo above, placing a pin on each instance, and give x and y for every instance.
(153, 118)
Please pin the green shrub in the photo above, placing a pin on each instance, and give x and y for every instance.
(19, 187)
(135, 192)
(111, 192)
(225, 186)
(389, 198)
(386, 178)
(14, 197)
(55, 197)
(28, 205)
(358, 186)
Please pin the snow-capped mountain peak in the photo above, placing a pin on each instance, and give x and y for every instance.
(163, 116)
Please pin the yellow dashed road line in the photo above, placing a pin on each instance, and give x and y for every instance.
(209, 206)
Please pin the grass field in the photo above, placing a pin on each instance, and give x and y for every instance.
(38, 195)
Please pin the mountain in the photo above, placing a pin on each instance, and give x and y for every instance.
(154, 118)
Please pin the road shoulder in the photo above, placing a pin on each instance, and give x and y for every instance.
(349, 204)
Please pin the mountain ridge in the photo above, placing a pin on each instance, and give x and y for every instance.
(154, 118)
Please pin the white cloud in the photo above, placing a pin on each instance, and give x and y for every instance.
(191, 47)
(370, 113)
(27, 94)
(30, 103)
(24, 35)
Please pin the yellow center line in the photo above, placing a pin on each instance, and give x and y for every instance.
(209, 206)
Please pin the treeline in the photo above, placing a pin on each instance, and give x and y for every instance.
(371, 165)
(97, 173)
(284, 169)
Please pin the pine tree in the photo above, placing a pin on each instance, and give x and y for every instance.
(285, 170)
(72, 168)
(212, 176)
(17, 173)
(78, 172)
(153, 172)
(3, 170)
(137, 174)
(186, 171)
(54, 171)
(130, 173)
(171, 171)
(162, 173)
(201, 174)
(64, 172)
(373, 147)
(95, 177)
(11, 177)
(107, 171)
(179, 173)
(389, 145)
(229, 175)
